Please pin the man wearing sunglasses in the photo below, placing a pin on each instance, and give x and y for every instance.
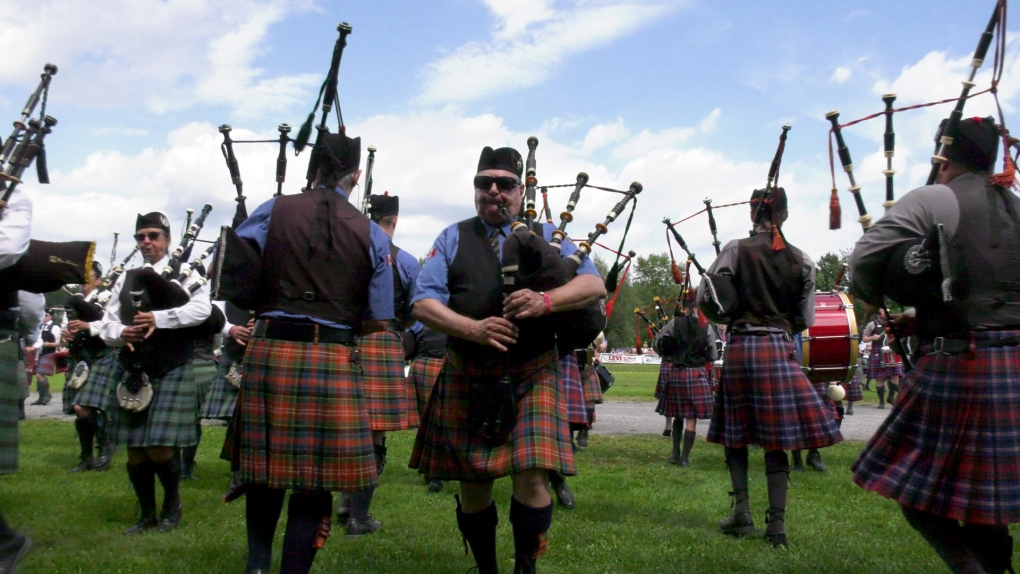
(154, 435)
(459, 292)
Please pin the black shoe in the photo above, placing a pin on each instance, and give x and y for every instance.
(357, 528)
(12, 551)
(435, 485)
(144, 524)
(667, 432)
(169, 519)
(582, 438)
(85, 465)
(45, 400)
(814, 460)
(38, 401)
(524, 564)
(235, 489)
(775, 529)
(188, 473)
(737, 524)
(104, 458)
(564, 495)
(685, 462)
(343, 507)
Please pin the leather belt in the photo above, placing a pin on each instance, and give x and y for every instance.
(949, 346)
(303, 332)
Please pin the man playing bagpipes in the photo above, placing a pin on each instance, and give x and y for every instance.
(495, 410)
(948, 453)
(156, 347)
(763, 289)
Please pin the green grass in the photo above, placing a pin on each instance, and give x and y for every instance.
(635, 513)
(633, 382)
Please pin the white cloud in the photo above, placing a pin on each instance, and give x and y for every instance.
(841, 75)
(602, 135)
(531, 41)
(708, 124)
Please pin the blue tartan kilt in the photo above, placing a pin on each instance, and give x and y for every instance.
(765, 399)
(171, 417)
(100, 390)
(951, 445)
(685, 392)
(222, 397)
(573, 391)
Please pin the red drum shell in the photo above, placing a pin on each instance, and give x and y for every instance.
(890, 359)
(829, 347)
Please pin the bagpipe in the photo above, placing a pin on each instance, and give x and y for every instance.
(236, 266)
(46, 266)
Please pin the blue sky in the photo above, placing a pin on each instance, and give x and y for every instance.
(686, 97)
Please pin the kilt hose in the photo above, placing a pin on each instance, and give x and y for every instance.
(222, 397)
(572, 392)
(389, 397)
(11, 370)
(301, 417)
(423, 375)
(765, 399)
(100, 390)
(685, 392)
(170, 418)
(205, 374)
(876, 370)
(591, 385)
(447, 449)
(951, 445)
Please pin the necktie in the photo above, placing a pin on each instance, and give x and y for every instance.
(494, 240)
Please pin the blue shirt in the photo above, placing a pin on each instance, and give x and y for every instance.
(380, 287)
(432, 282)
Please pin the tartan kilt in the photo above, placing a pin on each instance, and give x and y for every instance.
(686, 392)
(67, 396)
(660, 383)
(222, 397)
(11, 371)
(171, 417)
(765, 399)
(301, 417)
(879, 372)
(828, 403)
(572, 392)
(592, 387)
(446, 448)
(950, 446)
(100, 390)
(423, 375)
(389, 397)
(853, 390)
(205, 374)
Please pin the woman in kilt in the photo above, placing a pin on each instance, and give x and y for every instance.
(496, 409)
(879, 370)
(160, 344)
(763, 396)
(948, 452)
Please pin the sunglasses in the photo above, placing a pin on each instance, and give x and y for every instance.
(504, 183)
(152, 235)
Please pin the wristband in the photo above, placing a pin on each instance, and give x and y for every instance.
(548, 303)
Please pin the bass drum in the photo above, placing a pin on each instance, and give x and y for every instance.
(828, 349)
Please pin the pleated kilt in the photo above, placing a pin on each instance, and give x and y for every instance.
(685, 392)
(389, 396)
(572, 391)
(591, 385)
(951, 445)
(67, 395)
(423, 375)
(446, 448)
(879, 372)
(661, 382)
(853, 390)
(765, 399)
(302, 417)
(11, 371)
(170, 418)
(828, 403)
(100, 390)
(222, 397)
(205, 374)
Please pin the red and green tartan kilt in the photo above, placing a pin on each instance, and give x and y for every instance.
(423, 375)
(222, 397)
(572, 392)
(686, 392)
(853, 390)
(100, 390)
(446, 448)
(951, 445)
(389, 397)
(171, 417)
(11, 370)
(592, 387)
(302, 417)
(765, 399)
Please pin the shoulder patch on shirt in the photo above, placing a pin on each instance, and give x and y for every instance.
(432, 252)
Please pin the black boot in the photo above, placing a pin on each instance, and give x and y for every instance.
(104, 442)
(894, 388)
(739, 522)
(360, 522)
(169, 473)
(991, 545)
(86, 428)
(43, 386)
(582, 438)
(188, 462)
(380, 457)
(13, 546)
(798, 461)
(840, 413)
(308, 525)
(814, 460)
(946, 537)
(685, 456)
(479, 532)
(235, 488)
(143, 480)
(530, 528)
(777, 477)
(678, 437)
(559, 485)
(881, 397)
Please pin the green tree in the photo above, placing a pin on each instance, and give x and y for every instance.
(829, 267)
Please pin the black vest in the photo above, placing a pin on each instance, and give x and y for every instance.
(47, 336)
(769, 285)
(316, 261)
(401, 298)
(475, 282)
(165, 349)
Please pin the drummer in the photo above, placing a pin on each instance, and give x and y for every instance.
(879, 370)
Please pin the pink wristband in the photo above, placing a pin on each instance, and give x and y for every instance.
(548, 303)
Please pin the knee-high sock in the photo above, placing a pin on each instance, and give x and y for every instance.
(7, 533)
(380, 456)
(556, 478)
(169, 473)
(361, 501)
(262, 511)
(188, 453)
(479, 530)
(689, 437)
(43, 386)
(777, 477)
(840, 411)
(881, 395)
(308, 521)
(86, 427)
(530, 527)
(991, 545)
(946, 537)
(143, 480)
(736, 460)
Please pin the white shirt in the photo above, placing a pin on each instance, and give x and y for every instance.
(188, 315)
(15, 228)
